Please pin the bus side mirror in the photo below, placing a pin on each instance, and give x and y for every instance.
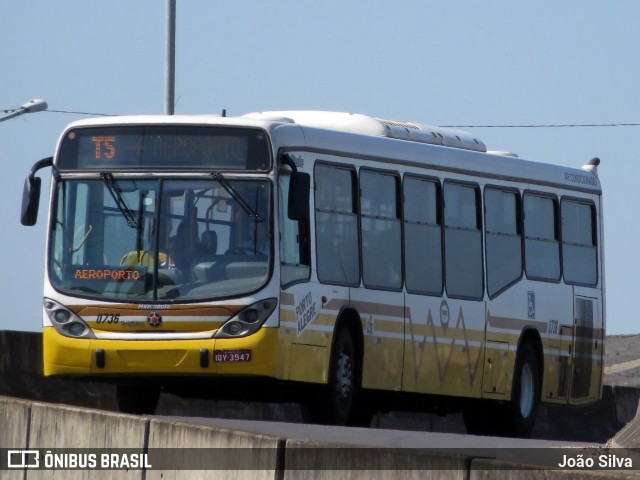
(30, 201)
(31, 193)
(299, 190)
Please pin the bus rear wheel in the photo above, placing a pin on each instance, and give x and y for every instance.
(520, 413)
(516, 417)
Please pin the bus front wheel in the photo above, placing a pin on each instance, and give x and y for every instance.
(342, 378)
(333, 403)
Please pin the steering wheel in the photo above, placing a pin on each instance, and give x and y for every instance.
(239, 250)
(246, 251)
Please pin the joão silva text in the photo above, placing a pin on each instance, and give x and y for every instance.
(604, 461)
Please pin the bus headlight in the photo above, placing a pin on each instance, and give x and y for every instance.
(65, 321)
(248, 320)
(61, 316)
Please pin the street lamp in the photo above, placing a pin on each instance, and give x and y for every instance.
(35, 105)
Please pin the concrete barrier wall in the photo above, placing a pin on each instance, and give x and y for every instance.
(626, 403)
(241, 454)
(14, 429)
(331, 461)
(56, 426)
(492, 469)
(253, 456)
(20, 362)
(15, 422)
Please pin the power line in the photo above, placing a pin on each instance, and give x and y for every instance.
(546, 125)
(82, 113)
(561, 125)
(11, 110)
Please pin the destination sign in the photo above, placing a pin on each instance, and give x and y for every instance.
(164, 147)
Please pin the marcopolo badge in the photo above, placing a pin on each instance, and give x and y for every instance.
(154, 319)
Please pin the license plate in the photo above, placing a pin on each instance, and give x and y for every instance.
(231, 356)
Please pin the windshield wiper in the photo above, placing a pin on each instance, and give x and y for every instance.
(237, 197)
(116, 193)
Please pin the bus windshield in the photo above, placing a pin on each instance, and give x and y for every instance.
(161, 239)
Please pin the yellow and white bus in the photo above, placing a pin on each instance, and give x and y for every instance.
(329, 248)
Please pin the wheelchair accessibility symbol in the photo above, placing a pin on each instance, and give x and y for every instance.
(531, 301)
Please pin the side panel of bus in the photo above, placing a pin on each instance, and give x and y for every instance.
(444, 346)
(445, 307)
(549, 304)
(449, 317)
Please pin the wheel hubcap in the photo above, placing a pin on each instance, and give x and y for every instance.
(344, 375)
(526, 391)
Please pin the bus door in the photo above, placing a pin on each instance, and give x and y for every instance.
(565, 359)
(580, 268)
(302, 340)
(581, 347)
(587, 351)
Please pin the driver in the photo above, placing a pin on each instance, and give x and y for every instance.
(182, 246)
(258, 242)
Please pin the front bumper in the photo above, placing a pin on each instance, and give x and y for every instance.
(252, 355)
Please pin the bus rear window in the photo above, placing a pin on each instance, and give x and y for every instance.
(165, 147)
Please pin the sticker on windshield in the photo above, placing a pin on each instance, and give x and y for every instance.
(120, 274)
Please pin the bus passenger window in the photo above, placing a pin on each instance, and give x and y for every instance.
(541, 244)
(381, 234)
(579, 256)
(503, 239)
(463, 241)
(336, 226)
(422, 236)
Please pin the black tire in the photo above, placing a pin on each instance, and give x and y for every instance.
(138, 399)
(516, 417)
(334, 403)
(520, 412)
(342, 385)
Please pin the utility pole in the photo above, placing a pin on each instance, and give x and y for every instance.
(170, 63)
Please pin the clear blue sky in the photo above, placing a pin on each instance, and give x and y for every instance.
(435, 62)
